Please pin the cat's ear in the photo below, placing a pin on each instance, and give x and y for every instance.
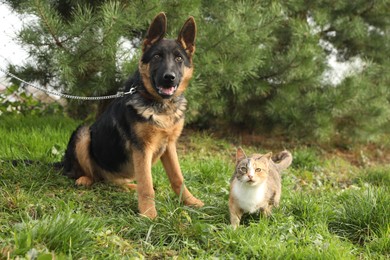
(240, 154)
(268, 155)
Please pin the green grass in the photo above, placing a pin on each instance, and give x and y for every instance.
(330, 209)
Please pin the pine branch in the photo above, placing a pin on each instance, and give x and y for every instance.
(46, 22)
(232, 32)
(281, 71)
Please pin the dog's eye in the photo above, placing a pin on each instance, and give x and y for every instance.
(156, 56)
(179, 59)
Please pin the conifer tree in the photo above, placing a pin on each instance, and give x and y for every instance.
(258, 63)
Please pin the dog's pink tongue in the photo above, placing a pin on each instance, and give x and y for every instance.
(167, 91)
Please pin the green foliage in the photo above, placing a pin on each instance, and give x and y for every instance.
(355, 28)
(306, 158)
(14, 100)
(365, 106)
(378, 176)
(362, 215)
(44, 216)
(61, 232)
(258, 64)
(32, 137)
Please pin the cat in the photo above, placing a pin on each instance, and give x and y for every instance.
(256, 183)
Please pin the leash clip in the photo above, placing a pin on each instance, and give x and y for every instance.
(130, 92)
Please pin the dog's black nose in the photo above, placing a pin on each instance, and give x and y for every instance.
(170, 76)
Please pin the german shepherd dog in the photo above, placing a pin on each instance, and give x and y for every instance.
(137, 129)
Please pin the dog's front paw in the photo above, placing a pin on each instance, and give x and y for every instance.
(193, 202)
(148, 210)
(151, 213)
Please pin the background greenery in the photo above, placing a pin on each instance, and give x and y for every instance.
(260, 82)
(260, 65)
(330, 208)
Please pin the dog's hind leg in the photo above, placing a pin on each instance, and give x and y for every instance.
(126, 183)
(171, 165)
(132, 186)
(83, 157)
(84, 181)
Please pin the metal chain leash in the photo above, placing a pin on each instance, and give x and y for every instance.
(55, 93)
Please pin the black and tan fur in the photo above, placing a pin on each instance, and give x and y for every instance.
(136, 130)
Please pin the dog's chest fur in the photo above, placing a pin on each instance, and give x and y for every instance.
(162, 122)
(249, 198)
(162, 114)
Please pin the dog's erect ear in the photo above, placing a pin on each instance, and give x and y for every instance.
(156, 31)
(187, 36)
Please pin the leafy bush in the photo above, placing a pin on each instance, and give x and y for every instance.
(15, 100)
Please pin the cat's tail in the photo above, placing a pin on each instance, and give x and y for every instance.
(282, 160)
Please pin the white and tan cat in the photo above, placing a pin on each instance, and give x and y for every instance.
(256, 183)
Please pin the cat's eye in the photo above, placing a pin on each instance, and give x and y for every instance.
(258, 169)
(243, 169)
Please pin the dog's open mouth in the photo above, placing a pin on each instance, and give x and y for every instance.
(167, 91)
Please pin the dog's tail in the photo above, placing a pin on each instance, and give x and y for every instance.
(56, 165)
(282, 160)
(59, 166)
